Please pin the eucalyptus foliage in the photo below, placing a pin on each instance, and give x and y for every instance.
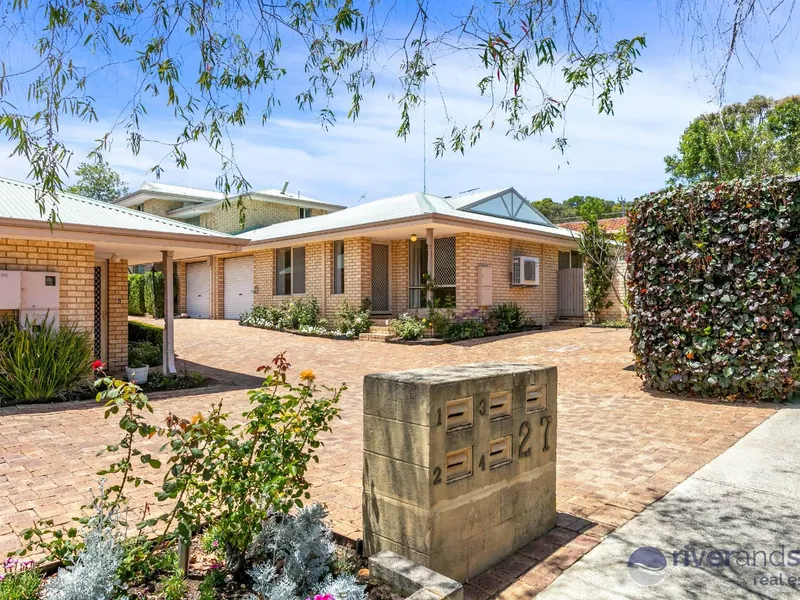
(715, 289)
(755, 138)
(219, 65)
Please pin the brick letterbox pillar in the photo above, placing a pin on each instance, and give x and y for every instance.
(459, 463)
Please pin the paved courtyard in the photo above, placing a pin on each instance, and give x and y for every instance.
(620, 447)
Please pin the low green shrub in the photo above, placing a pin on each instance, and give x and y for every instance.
(408, 327)
(136, 304)
(143, 332)
(352, 322)
(19, 580)
(143, 354)
(157, 381)
(466, 326)
(303, 313)
(506, 317)
(43, 361)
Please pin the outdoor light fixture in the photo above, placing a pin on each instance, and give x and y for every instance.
(413, 237)
(114, 258)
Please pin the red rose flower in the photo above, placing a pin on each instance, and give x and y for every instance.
(98, 364)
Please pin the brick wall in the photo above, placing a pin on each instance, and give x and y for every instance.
(160, 207)
(117, 315)
(399, 273)
(473, 250)
(257, 214)
(75, 265)
(319, 275)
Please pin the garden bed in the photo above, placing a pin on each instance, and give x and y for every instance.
(435, 341)
(245, 482)
(156, 382)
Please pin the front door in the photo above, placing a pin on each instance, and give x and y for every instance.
(380, 279)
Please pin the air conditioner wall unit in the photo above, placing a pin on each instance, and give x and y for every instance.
(525, 271)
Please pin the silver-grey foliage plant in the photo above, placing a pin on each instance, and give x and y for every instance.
(93, 576)
(305, 545)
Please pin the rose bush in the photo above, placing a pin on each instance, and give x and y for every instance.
(713, 286)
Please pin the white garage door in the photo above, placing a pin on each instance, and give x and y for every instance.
(238, 276)
(198, 290)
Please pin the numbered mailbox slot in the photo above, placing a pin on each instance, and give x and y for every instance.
(459, 413)
(536, 398)
(499, 405)
(459, 464)
(499, 452)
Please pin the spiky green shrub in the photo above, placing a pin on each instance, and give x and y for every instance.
(42, 361)
(508, 316)
(714, 288)
(136, 304)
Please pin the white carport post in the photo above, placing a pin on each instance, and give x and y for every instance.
(169, 314)
(431, 262)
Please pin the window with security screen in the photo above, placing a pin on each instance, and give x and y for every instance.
(290, 271)
(299, 270)
(444, 260)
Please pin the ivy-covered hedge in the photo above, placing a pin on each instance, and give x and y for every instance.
(714, 285)
(136, 305)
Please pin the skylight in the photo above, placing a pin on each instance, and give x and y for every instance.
(509, 206)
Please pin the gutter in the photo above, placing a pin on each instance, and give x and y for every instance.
(432, 218)
(135, 237)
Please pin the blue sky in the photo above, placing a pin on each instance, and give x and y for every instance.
(609, 156)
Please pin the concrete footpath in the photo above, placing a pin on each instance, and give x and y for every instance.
(731, 530)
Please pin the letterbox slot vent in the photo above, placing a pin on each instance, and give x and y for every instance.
(500, 452)
(459, 413)
(459, 464)
(536, 398)
(499, 405)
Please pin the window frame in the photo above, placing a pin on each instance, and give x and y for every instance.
(305, 213)
(291, 251)
(336, 271)
(445, 290)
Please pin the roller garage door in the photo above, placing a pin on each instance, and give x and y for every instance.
(238, 288)
(198, 289)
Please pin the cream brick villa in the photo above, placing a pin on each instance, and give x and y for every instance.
(482, 249)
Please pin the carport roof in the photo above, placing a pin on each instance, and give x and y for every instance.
(134, 235)
(18, 201)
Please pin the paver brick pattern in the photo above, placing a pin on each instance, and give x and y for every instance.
(620, 447)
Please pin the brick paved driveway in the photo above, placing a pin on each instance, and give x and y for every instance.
(620, 447)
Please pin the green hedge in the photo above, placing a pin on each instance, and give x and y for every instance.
(154, 294)
(136, 305)
(142, 332)
(714, 288)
